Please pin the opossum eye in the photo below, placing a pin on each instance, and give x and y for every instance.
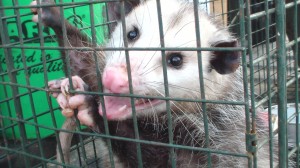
(175, 60)
(133, 34)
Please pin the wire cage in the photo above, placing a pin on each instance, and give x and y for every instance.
(31, 121)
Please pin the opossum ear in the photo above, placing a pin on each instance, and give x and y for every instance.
(114, 8)
(225, 62)
(114, 11)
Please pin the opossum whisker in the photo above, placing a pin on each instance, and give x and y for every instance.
(93, 74)
(185, 44)
(148, 11)
(117, 127)
(154, 117)
(173, 86)
(100, 35)
(150, 57)
(140, 25)
(186, 89)
(182, 112)
(192, 94)
(179, 118)
(139, 66)
(53, 38)
(174, 20)
(121, 44)
(190, 160)
(147, 71)
(183, 27)
(157, 91)
(207, 79)
(149, 60)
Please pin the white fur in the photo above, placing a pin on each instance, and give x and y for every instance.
(146, 67)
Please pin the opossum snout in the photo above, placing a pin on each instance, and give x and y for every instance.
(115, 79)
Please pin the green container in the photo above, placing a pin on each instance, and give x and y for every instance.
(35, 105)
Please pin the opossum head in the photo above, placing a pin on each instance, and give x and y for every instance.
(181, 75)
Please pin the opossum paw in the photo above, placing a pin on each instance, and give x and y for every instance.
(50, 16)
(69, 102)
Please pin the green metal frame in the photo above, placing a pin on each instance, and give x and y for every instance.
(267, 61)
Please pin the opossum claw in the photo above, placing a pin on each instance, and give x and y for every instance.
(65, 90)
(68, 112)
(55, 86)
(69, 102)
(49, 15)
(33, 10)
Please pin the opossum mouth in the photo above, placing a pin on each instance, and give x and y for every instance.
(120, 108)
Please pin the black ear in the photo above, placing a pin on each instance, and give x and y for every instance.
(114, 10)
(225, 62)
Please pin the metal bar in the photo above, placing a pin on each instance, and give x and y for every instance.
(131, 49)
(134, 140)
(5, 143)
(27, 154)
(59, 4)
(133, 95)
(273, 52)
(252, 89)
(136, 130)
(100, 87)
(70, 4)
(29, 13)
(5, 93)
(20, 32)
(222, 12)
(269, 82)
(81, 152)
(281, 79)
(296, 67)
(107, 20)
(172, 156)
(262, 101)
(270, 11)
(13, 79)
(245, 72)
(201, 80)
(42, 43)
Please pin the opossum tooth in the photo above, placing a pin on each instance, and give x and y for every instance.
(140, 101)
(122, 108)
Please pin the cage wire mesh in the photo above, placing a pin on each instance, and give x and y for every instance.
(31, 119)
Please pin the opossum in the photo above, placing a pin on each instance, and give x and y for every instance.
(222, 81)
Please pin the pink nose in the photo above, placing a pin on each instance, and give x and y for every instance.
(115, 79)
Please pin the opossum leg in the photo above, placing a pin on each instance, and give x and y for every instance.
(65, 140)
(51, 17)
(71, 102)
(80, 63)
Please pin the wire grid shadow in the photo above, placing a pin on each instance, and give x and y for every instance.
(31, 120)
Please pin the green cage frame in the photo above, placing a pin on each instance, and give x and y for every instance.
(276, 64)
